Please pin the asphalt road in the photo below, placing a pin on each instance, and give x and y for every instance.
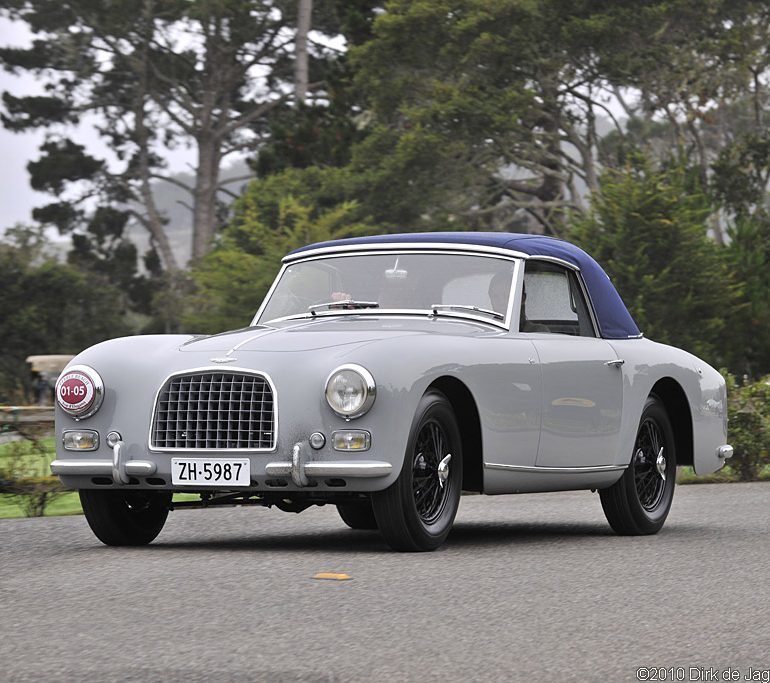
(532, 587)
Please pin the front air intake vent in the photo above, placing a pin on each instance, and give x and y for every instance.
(210, 410)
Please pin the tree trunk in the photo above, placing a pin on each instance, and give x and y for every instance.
(152, 220)
(304, 17)
(205, 195)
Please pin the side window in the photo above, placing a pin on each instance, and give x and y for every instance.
(553, 301)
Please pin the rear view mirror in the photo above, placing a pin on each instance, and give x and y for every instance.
(396, 273)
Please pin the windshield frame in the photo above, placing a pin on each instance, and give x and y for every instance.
(395, 250)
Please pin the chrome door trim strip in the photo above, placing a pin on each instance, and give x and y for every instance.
(524, 469)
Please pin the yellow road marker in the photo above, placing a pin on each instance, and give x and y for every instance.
(332, 576)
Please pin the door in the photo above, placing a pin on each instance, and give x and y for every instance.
(582, 381)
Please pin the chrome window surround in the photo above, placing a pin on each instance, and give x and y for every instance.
(395, 249)
(402, 247)
(581, 284)
(217, 370)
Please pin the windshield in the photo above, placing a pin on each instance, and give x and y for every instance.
(404, 281)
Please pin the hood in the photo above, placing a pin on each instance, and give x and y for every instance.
(329, 332)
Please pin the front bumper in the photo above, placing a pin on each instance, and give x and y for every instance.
(300, 468)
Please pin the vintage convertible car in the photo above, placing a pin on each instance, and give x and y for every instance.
(385, 375)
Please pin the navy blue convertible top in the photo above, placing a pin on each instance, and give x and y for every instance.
(615, 322)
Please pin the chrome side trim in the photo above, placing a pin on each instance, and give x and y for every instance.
(139, 468)
(333, 468)
(217, 369)
(554, 470)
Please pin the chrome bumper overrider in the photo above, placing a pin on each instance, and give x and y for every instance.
(725, 452)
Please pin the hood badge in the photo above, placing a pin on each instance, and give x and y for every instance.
(225, 359)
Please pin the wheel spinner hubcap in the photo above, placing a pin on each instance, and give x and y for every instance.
(443, 470)
(430, 471)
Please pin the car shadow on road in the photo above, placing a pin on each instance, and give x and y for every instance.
(490, 533)
(347, 541)
(464, 535)
(468, 534)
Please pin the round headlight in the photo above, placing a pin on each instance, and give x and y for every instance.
(350, 391)
(79, 391)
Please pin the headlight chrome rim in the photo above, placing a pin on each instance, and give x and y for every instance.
(369, 386)
(97, 385)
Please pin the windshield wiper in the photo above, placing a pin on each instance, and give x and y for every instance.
(345, 305)
(466, 307)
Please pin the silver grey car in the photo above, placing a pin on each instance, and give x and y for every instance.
(385, 375)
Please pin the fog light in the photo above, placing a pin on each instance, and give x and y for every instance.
(80, 440)
(351, 440)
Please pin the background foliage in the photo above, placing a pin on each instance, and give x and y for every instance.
(639, 130)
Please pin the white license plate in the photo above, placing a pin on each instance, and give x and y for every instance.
(211, 471)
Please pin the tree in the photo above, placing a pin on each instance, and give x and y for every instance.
(482, 112)
(321, 131)
(699, 69)
(47, 307)
(273, 217)
(648, 229)
(154, 75)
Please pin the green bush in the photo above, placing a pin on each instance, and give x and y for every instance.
(748, 406)
(25, 473)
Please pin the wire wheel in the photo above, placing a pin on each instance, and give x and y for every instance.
(430, 471)
(639, 502)
(416, 512)
(650, 465)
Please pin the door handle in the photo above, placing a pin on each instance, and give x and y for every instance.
(616, 363)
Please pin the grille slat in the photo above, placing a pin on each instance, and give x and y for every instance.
(214, 411)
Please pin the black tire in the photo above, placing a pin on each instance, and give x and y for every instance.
(417, 511)
(358, 515)
(125, 517)
(639, 502)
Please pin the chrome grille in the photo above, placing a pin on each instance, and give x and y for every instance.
(214, 410)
